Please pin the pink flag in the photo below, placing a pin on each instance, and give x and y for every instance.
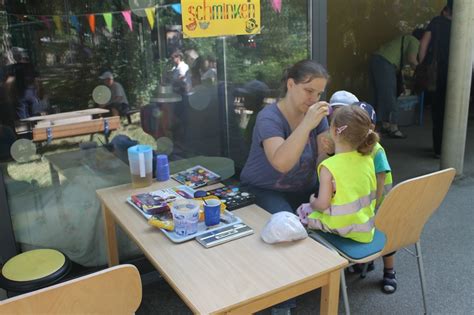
(128, 18)
(46, 21)
(276, 5)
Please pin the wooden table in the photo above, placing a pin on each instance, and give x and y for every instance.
(71, 124)
(64, 117)
(241, 276)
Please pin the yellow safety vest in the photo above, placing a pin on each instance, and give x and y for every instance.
(351, 213)
(388, 176)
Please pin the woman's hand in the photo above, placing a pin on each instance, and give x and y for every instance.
(315, 114)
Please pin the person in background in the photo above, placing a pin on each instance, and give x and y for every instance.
(181, 77)
(287, 145)
(254, 93)
(118, 104)
(384, 64)
(435, 44)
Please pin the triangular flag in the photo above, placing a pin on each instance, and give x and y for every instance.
(46, 21)
(150, 15)
(75, 23)
(276, 5)
(108, 21)
(57, 22)
(91, 18)
(128, 18)
(176, 7)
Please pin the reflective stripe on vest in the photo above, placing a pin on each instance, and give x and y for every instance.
(351, 207)
(366, 227)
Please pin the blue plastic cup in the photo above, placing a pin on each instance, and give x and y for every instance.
(212, 212)
(162, 168)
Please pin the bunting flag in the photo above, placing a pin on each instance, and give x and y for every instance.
(46, 21)
(108, 21)
(176, 8)
(128, 18)
(75, 23)
(150, 15)
(276, 5)
(57, 22)
(91, 19)
(75, 20)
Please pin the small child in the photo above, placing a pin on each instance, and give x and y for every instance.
(347, 185)
(383, 174)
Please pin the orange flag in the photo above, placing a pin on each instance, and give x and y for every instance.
(91, 19)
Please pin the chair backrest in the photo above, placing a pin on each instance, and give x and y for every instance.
(116, 290)
(409, 205)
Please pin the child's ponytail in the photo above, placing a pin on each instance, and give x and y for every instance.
(368, 144)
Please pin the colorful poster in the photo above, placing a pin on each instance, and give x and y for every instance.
(206, 18)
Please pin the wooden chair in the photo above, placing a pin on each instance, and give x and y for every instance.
(115, 290)
(399, 222)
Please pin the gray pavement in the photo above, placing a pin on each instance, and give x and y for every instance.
(447, 247)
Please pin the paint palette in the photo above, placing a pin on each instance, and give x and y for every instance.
(233, 196)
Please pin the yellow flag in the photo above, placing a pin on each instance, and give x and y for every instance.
(150, 15)
(57, 22)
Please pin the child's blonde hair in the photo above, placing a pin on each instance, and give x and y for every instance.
(352, 125)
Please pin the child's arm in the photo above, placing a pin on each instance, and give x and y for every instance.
(380, 187)
(323, 201)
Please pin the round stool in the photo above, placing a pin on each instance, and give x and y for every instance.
(33, 270)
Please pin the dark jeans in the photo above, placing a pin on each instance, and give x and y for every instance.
(383, 76)
(276, 201)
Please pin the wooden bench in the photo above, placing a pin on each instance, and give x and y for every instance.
(71, 128)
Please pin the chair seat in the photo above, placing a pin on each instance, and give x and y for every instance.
(352, 249)
(34, 269)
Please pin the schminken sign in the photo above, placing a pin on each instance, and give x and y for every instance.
(220, 17)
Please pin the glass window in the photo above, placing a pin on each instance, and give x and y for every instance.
(113, 78)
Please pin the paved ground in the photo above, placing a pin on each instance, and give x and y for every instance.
(447, 247)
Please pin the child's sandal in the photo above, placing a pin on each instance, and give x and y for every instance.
(389, 282)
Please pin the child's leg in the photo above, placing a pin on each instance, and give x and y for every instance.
(389, 282)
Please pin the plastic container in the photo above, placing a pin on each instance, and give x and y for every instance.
(162, 168)
(407, 110)
(140, 158)
(185, 216)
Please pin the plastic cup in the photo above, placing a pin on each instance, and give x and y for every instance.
(185, 216)
(212, 212)
(162, 168)
(140, 159)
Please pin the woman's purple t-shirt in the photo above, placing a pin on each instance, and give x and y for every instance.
(260, 173)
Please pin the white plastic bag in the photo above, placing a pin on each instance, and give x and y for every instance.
(283, 227)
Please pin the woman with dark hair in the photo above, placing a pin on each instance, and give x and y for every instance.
(287, 141)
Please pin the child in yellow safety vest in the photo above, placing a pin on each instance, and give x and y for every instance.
(345, 204)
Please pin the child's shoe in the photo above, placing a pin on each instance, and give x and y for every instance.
(389, 281)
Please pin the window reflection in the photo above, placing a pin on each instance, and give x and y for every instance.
(201, 115)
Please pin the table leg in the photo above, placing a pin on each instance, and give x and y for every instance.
(110, 237)
(330, 294)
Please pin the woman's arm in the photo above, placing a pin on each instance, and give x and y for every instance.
(323, 201)
(424, 43)
(284, 154)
